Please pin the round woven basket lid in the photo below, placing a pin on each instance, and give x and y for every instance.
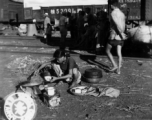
(93, 73)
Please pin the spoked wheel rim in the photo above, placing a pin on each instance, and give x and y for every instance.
(20, 106)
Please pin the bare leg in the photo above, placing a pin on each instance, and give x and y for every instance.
(119, 48)
(75, 77)
(108, 51)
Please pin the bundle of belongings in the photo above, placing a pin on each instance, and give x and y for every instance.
(22, 30)
(94, 91)
(141, 34)
(38, 87)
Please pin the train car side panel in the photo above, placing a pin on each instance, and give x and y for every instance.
(16, 11)
(4, 10)
(131, 8)
(11, 9)
(28, 13)
(37, 15)
(148, 10)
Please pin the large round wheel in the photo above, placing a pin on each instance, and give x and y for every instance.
(20, 106)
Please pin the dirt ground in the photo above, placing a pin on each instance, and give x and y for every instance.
(134, 102)
(134, 83)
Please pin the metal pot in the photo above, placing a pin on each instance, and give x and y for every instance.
(92, 75)
(92, 80)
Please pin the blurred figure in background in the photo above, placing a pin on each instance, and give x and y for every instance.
(46, 22)
(39, 27)
(49, 34)
(80, 26)
(63, 30)
(89, 36)
(74, 26)
(102, 30)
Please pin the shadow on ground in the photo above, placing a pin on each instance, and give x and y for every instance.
(54, 41)
(91, 59)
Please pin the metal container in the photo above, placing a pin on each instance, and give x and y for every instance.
(92, 75)
(51, 91)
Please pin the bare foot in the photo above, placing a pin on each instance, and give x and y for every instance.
(121, 64)
(113, 69)
(118, 71)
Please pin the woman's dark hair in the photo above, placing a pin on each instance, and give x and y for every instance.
(59, 53)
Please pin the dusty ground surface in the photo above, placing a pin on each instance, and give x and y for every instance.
(134, 102)
(134, 83)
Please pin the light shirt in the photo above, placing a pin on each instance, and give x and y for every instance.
(46, 21)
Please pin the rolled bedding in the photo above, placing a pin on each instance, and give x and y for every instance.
(141, 34)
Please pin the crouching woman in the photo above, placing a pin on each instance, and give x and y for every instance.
(69, 68)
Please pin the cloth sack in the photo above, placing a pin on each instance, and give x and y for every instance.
(22, 28)
(110, 92)
(141, 33)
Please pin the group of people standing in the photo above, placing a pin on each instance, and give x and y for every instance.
(89, 28)
(101, 30)
(82, 26)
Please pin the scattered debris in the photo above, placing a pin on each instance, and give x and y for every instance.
(24, 65)
(140, 62)
(111, 92)
(94, 91)
(128, 102)
(54, 102)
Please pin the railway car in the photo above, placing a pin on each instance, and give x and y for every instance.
(56, 11)
(11, 10)
(135, 10)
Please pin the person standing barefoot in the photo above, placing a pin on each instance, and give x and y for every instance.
(117, 36)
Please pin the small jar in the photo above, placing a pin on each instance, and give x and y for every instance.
(51, 91)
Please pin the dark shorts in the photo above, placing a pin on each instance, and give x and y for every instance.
(116, 42)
